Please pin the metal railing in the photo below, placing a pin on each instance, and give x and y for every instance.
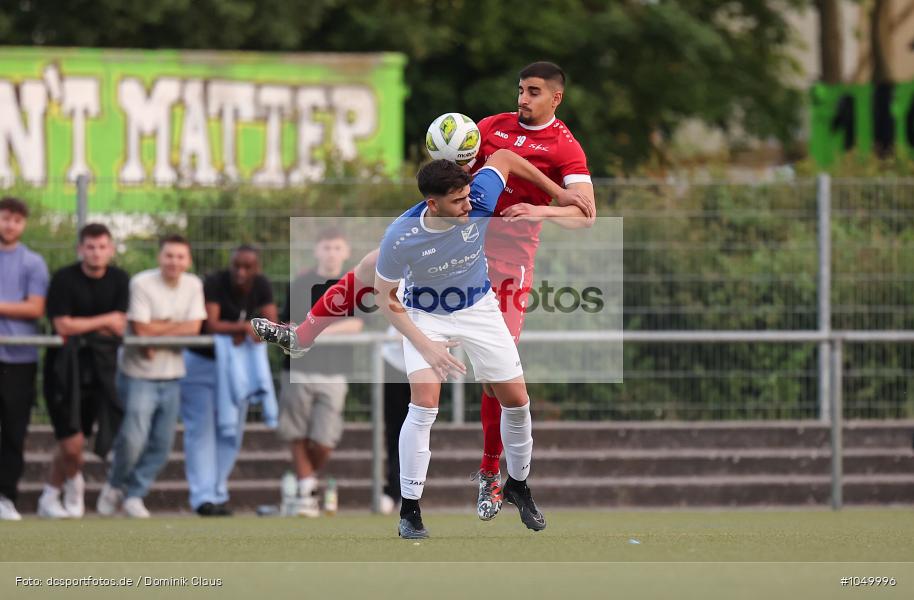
(831, 378)
(788, 255)
(817, 262)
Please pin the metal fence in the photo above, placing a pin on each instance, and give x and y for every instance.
(701, 258)
(832, 387)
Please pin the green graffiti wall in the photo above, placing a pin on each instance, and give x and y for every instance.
(139, 123)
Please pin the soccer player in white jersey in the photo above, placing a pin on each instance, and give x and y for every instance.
(437, 246)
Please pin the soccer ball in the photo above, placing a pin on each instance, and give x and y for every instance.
(453, 137)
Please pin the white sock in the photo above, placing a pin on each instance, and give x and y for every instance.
(414, 450)
(517, 437)
(306, 486)
(50, 491)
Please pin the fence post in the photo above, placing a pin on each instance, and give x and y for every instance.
(458, 399)
(837, 424)
(82, 200)
(377, 426)
(823, 202)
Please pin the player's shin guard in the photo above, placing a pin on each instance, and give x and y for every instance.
(517, 433)
(490, 415)
(338, 302)
(414, 450)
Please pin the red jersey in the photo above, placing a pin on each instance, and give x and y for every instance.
(554, 151)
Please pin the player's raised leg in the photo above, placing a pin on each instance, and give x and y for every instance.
(338, 302)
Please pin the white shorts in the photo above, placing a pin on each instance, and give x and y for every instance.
(482, 333)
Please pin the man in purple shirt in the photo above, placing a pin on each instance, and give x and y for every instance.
(23, 286)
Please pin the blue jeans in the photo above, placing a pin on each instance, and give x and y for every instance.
(147, 432)
(209, 456)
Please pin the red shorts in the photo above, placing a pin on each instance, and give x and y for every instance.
(511, 284)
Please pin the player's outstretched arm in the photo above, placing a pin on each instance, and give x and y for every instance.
(509, 163)
(567, 217)
(435, 353)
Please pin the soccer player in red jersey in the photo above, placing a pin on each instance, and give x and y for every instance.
(536, 134)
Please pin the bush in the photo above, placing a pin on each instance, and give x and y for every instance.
(699, 257)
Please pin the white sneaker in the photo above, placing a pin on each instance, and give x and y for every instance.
(49, 506)
(74, 493)
(388, 504)
(307, 507)
(8, 510)
(135, 508)
(109, 500)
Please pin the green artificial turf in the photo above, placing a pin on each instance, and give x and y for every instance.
(587, 554)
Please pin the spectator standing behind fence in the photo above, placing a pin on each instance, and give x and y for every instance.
(87, 305)
(311, 409)
(397, 395)
(23, 284)
(209, 390)
(166, 301)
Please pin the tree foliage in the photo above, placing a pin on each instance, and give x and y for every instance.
(637, 68)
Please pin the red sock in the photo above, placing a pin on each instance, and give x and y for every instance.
(338, 302)
(490, 415)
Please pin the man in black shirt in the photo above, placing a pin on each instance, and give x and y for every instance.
(233, 297)
(87, 305)
(312, 398)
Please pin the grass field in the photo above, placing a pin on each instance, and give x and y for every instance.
(732, 554)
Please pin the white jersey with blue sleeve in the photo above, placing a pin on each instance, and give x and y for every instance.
(445, 270)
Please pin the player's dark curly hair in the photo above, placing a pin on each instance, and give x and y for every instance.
(441, 177)
(547, 71)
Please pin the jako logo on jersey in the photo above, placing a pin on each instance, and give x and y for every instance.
(501, 134)
(429, 251)
(470, 234)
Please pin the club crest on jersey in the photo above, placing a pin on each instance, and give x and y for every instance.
(470, 234)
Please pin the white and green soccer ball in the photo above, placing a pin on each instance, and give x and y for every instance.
(453, 137)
